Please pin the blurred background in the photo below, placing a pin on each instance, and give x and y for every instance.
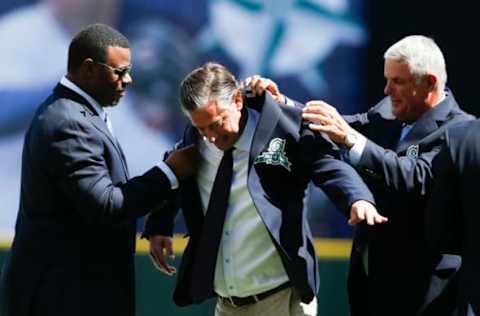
(314, 49)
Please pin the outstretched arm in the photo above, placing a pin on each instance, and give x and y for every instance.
(343, 185)
(402, 173)
(80, 163)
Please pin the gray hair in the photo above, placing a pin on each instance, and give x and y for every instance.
(422, 55)
(210, 82)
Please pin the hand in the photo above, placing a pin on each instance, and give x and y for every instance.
(184, 161)
(362, 210)
(326, 119)
(259, 85)
(160, 247)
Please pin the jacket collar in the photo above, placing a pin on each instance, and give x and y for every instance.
(270, 113)
(63, 92)
(91, 101)
(269, 116)
(429, 121)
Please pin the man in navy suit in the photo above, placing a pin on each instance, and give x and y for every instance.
(73, 251)
(263, 260)
(452, 213)
(392, 146)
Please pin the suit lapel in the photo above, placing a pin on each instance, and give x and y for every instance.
(421, 129)
(124, 159)
(190, 187)
(382, 120)
(91, 114)
(428, 123)
(263, 133)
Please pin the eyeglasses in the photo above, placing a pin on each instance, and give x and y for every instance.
(120, 72)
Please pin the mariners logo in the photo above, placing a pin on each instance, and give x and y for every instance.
(275, 155)
(264, 36)
(412, 151)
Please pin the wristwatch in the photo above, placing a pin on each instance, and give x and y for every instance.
(350, 139)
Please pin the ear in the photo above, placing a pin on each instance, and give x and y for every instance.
(431, 81)
(238, 100)
(88, 66)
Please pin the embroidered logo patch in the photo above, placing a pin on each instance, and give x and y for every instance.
(412, 151)
(275, 155)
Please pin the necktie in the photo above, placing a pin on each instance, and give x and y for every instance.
(403, 134)
(405, 130)
(203, 270)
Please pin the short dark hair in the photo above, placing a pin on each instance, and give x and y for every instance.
(210, 82)
(92, 42)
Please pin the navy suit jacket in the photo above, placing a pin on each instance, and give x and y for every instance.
(280, 195)
(73, 250)
(452, 215)
(400, 277)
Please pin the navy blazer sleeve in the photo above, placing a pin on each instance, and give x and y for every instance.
(397, 171)
(161, 220)
(442, 214)
(77, 155)
(337, 179)
(386, 167)
(341, 183)
(400, 173)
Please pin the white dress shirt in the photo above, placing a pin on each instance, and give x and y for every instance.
(247, 262)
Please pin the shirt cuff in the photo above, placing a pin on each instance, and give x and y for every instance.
(355, 153)
(170, 175)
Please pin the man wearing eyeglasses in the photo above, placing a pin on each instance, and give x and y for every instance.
(73, 251)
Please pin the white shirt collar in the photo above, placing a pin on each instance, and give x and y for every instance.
(442, 97)
(245, 141)
(69, 84)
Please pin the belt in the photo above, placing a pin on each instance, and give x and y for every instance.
(241, 301)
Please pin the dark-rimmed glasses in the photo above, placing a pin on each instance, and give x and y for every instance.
(120, 72)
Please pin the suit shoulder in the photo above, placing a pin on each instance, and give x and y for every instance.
(190, 136)
(382, 109)
(463, 128)
(460, 115)
(291, 111)
(56, 113)
(462, 136)
(292, 120)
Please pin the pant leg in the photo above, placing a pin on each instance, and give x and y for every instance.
(357, 285)
(298, 308)
(283, 303)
